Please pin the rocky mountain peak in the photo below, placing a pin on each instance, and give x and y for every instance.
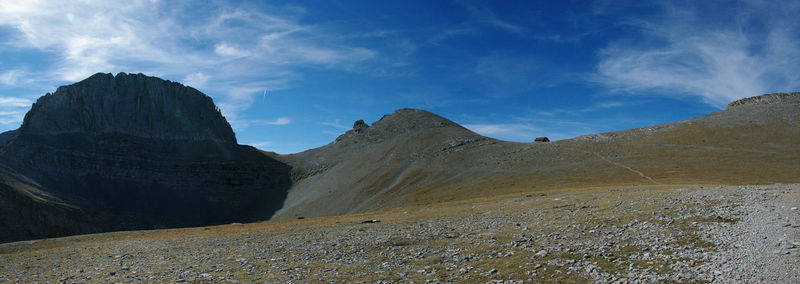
(774, 98)
(402, 121)
(130, 104)
(359, 126)
(408, 119)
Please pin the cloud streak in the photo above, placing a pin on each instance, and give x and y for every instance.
(336, 124)
(173, 40)
(687, 55)
(15, 102)
(280, 121)
(485, 16)
(510, 131)
(12, 110)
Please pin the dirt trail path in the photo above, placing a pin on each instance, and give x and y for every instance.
(641, 174)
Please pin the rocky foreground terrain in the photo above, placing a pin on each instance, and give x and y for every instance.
(690, 233)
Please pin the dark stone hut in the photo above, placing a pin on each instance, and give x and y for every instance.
(541, 139)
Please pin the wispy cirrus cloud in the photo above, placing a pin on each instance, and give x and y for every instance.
(14, 78)
(12, 109)
(526, 128)
(505, 131)
(336, 124)
(11, 117)
(175, 40)
(15, 102)
(487, 17)
(196, 80)
(446, 34)
(684, 53)
(238, 124)
(230, 51)
(259, 144)
(599, 106)
(279, 121)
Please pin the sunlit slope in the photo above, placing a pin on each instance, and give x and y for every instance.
(415, 157)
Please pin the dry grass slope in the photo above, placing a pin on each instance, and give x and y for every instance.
(392, 164)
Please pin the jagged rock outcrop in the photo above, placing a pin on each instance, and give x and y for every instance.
(133, 152)
(775, 98)
(359, 126)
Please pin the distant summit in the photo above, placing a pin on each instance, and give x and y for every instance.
(401, 121)
(129, 104)
(775, 98)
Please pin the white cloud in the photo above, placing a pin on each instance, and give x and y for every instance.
(12, 110)
(513, 132)
(11, 117)
(226, 50)
(196, 80)
(336, 124)
(277, 121)
(487, 17)
(6, 102)
(13, 77)
(281, 121)
(167, 39)
(332, 133)
(238, 124)
(446, 34)
(595, 107)
(258, 144)
(718, 63)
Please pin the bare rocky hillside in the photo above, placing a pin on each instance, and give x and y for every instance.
(415, 157)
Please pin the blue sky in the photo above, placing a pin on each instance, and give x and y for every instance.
(512, 70)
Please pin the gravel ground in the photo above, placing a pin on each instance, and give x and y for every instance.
(763, 245)
(738, 234)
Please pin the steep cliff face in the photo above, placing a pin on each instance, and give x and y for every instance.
(133, 152)
(129, 104)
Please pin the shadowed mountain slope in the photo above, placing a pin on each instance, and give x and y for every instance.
(130, 152)
(415, 157)
(5, 136)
